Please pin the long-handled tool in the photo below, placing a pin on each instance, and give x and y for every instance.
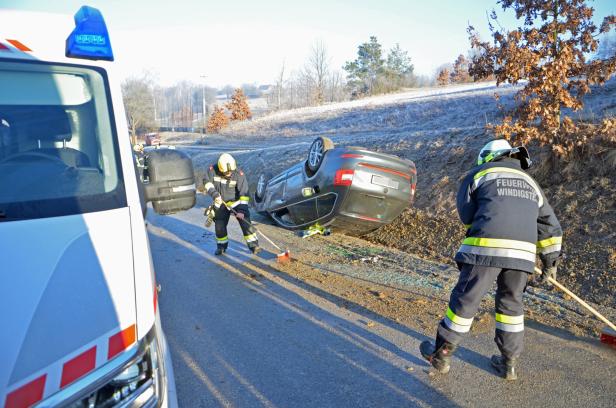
(608, 334)
(282, 256)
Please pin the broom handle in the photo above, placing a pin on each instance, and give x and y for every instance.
(256, 229)
(270, 241)
(580, 301)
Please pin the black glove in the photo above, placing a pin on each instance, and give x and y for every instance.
(547, 272)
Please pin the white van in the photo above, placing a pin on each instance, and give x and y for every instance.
(79, 324)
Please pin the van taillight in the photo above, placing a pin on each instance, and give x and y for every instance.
(343, 177)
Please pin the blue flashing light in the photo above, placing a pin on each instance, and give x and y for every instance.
(89, 39)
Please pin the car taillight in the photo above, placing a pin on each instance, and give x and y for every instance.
(343, 177)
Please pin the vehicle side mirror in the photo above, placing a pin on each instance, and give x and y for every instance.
(171, 187)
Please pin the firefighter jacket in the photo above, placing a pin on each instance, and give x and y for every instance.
(233, 190)
(507, 217)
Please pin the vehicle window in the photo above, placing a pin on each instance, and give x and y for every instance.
(325, 204)
(58, 150)
(303, 212)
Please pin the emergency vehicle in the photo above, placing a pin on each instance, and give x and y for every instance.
(79, 322)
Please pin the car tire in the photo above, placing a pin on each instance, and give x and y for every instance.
(261, 185)
(317, 151)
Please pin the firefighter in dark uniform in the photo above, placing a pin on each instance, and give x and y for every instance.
(227, 186)
(509, 222)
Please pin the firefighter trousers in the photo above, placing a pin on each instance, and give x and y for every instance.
(221, 220)
(474, 282)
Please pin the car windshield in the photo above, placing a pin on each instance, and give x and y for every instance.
(58, 150)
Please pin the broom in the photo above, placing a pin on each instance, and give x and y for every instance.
(282, 256)
(608, 334)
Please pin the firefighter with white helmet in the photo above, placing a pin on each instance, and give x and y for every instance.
(228, 187)
(508, 222)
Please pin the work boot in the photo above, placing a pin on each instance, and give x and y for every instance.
(505, 367)
(439, 354)
(220, 250)
(255, 249)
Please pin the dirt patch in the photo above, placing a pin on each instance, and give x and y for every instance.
(420, 301)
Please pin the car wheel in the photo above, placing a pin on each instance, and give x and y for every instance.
(317, 152)
(261, 184)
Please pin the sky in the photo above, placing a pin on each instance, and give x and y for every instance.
(247, 41)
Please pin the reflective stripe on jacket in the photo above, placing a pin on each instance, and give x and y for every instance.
(508, 218)
(232, 190)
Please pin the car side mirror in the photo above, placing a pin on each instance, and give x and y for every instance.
(171, 187)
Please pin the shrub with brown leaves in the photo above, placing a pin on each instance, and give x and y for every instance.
(443, 77)
(550, 51)
(238, 106)
(460, 70)
(217, 121)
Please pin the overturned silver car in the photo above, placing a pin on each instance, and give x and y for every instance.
(349, 188)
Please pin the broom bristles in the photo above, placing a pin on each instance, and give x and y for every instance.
(608, 336)
(284, 257)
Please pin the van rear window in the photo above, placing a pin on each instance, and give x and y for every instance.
(58, 145)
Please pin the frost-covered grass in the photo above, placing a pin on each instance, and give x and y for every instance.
(421, 125)
(427, 109)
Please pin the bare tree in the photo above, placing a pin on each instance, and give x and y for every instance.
(279, 85)
(317, 70)
(138, 103)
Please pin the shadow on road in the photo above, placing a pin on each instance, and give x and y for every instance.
(347, 364)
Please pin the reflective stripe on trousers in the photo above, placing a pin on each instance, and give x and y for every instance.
(511, 324)
(250, 237)
(457, 323)
(474, 282)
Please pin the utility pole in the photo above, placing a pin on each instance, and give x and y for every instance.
(204, 111)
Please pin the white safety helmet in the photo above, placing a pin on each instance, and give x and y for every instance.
(226, 163)
(492, 150)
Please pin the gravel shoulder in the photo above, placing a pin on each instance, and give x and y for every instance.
(442, 138)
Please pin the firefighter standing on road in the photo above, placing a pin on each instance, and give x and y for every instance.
(227, 186)
(508, 221)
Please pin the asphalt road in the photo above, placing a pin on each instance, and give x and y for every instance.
(245, 334)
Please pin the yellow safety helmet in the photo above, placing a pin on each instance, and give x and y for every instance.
(226, 163)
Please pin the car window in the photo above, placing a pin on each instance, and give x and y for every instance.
(325, 204)
(58, 149)
(304, 211)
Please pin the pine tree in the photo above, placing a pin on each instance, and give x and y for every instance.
(398, 69)
(364, 71)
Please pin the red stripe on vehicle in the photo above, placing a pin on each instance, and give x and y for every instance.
(120, 341)
(27, 395)
(155, 297)
(363, 217)
(399, 173)
(18, 45)
(78, 367)
(351, 156)
(4, 47)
